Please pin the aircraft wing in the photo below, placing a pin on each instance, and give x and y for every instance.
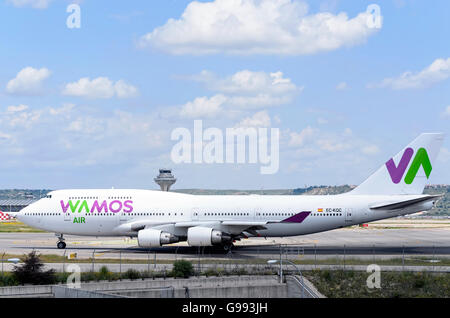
(243, 223)
(297, 218)
(236, 226)
(403, 204)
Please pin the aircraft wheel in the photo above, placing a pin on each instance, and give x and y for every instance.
(227, 247)
(61, 245)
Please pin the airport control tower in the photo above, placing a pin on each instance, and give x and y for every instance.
(165, 179)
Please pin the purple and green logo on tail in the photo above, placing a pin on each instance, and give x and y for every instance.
(421, 159)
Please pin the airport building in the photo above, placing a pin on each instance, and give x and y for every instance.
(15, 205)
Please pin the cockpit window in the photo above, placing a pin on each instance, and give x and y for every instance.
(48, 196)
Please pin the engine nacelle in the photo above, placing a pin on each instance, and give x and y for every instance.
(155, 238)
(205, 236)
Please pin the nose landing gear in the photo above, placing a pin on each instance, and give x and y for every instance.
(61, 244)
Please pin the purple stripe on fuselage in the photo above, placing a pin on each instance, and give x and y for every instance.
(298, 218)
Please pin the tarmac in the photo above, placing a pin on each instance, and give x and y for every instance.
(352, 241)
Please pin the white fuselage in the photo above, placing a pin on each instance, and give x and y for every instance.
(124, 212)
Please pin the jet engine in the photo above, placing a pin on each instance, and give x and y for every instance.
(205, 236)
(155, 238)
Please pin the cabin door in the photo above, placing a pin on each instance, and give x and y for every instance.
(124, 216)
(257, 214)
(349, 215)
(195, 214)
(68, 216)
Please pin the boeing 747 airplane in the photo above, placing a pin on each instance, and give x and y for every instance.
(158, 218)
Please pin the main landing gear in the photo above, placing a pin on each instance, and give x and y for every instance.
(61, 244)
(227, 247)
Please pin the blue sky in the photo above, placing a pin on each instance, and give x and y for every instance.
(95, 107)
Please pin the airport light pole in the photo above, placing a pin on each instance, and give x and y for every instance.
(93, 260)
(64, 261)
(3, 259)
(274, 261)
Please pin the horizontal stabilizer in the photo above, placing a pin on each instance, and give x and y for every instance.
(403, 204)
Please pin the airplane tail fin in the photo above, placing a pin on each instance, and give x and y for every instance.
(408, 171)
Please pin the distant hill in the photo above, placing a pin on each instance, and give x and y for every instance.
(442, 208)
(443, 205)
(235, 192)
(314, 190)
(323, 190)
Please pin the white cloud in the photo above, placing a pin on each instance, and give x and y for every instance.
(101, 87)
(65, 109)
(281, 27)
(259, 119)
(86, 125)
(258, 101)
(19, 117)
(447, 112)
(45, 138)
(247, 82)
(332, 145)
(28, 81)
(342, 86)
(16, 109)
(313, 141)
(23, 119)
(124, 90)
(37, 4)
(249, 89)
(437, 72)
(245, 90)
(253, 82)
(119, 134)
(298, 139)
(203, 107)
(328, 5)
(370, 150)
(277, 119)
(4, 136)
